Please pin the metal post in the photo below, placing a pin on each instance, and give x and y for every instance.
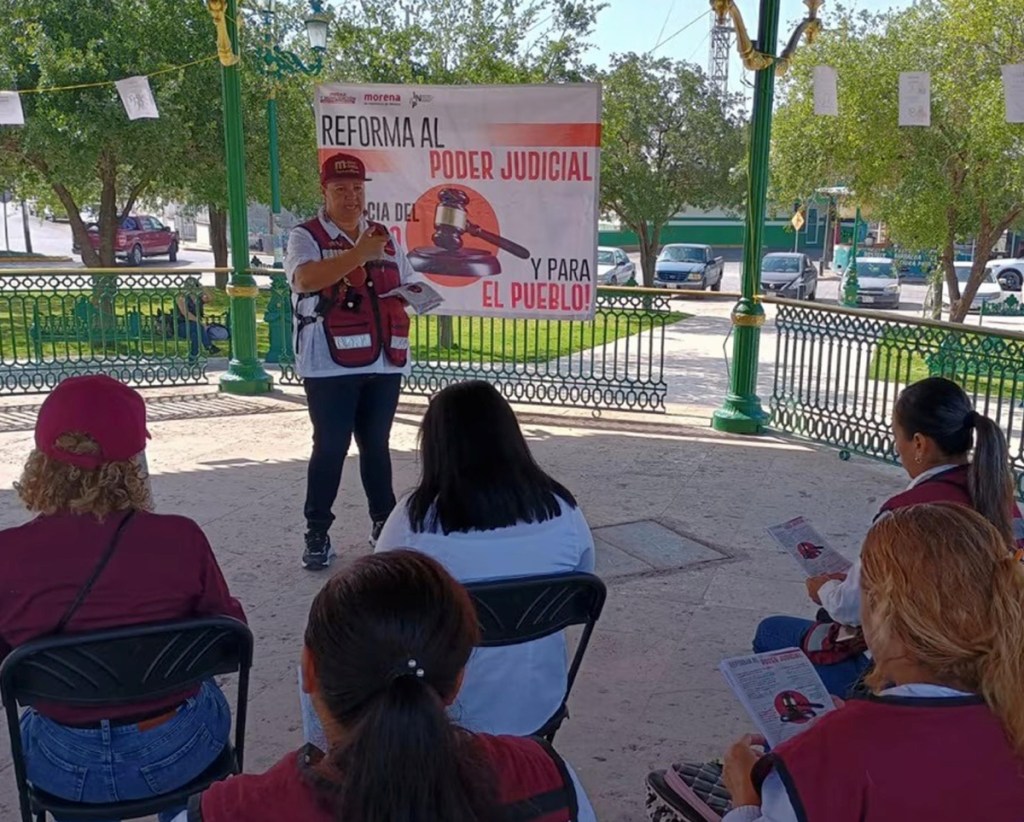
(25, 227)
(741, 413)
(275, 183)
(245, 374)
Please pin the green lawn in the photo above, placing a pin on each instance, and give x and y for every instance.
(474, 339)
(982, 364)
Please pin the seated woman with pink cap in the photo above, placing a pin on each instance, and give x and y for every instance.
(87, 483)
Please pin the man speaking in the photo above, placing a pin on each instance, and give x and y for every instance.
(351, 346)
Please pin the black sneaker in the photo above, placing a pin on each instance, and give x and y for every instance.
(375, 529)
(318, 553)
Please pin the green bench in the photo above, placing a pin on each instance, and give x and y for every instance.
(87, 325)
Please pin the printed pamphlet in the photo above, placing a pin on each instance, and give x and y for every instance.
(419, 296)
(809, 548)
(780, 690)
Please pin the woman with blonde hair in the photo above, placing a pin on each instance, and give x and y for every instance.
(942, 735)
(87, 483)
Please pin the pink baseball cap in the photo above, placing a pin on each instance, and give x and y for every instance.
(110, 412)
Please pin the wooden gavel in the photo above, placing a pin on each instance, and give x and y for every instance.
(451, 221)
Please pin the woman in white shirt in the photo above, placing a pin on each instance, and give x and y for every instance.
(485, 510)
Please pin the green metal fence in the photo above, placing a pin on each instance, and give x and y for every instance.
(615, 362)
(838, 373)
(56, 323)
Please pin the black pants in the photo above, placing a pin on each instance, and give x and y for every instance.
(340, 407)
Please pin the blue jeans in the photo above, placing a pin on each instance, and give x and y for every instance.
(196, 333)
(363, 406)
(117, 763)
(778, 632)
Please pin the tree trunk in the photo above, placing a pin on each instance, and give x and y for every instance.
(648, 237)
(219, 241)
(445, 335)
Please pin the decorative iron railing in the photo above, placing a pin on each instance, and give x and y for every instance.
(56, 323)
(838, 373)
(615, 362)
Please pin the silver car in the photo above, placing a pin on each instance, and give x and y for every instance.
(878, 282)
(790, 275)
(613, 266)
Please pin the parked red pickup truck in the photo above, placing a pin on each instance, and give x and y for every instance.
(138, 236)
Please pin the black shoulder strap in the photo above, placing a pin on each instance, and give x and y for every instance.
(549, 802)
(195, 808)
(85, 589)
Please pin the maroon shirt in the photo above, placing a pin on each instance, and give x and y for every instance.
(162, 569)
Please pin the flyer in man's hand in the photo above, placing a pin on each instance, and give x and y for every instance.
(419, 296)
(780, 690)
(800, 539)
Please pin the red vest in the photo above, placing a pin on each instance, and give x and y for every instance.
(893, 759)
(949, 486)
(357, 333)
(533, 786)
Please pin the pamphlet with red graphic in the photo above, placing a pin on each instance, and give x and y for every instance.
(809, 548)
(780, 690)
(420, 297)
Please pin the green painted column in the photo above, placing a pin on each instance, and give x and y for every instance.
(245, 374)
(275, 181)
(741, 413)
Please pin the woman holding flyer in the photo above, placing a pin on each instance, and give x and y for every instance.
(935, 429)
(941, 737)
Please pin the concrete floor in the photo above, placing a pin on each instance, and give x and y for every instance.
(649, 691)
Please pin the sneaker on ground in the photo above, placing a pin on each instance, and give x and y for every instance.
(378, 526)
(318, 553)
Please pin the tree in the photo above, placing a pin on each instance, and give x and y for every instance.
(670, 141)
(961, 178)
(78, 145)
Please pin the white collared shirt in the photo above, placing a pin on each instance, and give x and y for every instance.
(312, 354)
(842, 599)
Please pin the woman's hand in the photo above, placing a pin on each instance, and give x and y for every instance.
(736, 774)
(814, 585)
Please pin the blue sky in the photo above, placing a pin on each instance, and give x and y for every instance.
(622, 27)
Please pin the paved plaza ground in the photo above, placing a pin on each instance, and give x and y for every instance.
(679, 514)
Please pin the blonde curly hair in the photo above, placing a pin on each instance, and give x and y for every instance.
(48, 486)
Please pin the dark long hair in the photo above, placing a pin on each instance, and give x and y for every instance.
(389, 636)
(477, 471)
(939, 409)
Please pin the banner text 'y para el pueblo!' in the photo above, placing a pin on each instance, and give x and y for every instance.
(491, 190)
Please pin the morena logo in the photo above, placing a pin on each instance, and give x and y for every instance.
(386, 99)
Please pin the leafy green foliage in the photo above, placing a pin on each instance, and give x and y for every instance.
(669, 141)
(961, 178)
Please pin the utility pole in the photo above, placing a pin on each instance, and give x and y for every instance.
(25, 228)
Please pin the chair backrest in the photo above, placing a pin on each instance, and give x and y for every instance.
(123, 665)
(521, 609)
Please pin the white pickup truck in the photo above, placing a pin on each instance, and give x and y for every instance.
(1009, 273)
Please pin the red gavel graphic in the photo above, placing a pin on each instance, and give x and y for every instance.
(451, 221)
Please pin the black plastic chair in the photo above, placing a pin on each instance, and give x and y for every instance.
(117, 667)
(521, 609)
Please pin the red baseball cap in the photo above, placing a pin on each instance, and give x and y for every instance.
(342, 167)
(110, 412)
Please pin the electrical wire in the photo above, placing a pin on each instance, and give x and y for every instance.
(46, 89)
(677, 32)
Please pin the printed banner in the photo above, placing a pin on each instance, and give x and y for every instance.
(491, 190)
(915, 98)
(137, 98)
(1013, 91)
(11, 113)
(826, 92)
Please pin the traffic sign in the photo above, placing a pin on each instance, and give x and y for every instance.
(798, 221)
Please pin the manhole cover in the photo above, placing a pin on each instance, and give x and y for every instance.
(638, 547)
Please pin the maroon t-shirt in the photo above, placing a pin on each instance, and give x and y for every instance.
(162, 569)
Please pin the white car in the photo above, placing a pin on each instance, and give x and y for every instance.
(1009, 273)
(613, 266)
(989, 292)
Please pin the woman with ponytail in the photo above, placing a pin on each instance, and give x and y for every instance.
(386, 645)
(935, 429)
(941, 736)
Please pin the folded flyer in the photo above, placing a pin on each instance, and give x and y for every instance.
(780, 690)
(421, 297)
(809, 548)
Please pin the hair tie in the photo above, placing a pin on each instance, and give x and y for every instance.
(971, 420)
(412, 668)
